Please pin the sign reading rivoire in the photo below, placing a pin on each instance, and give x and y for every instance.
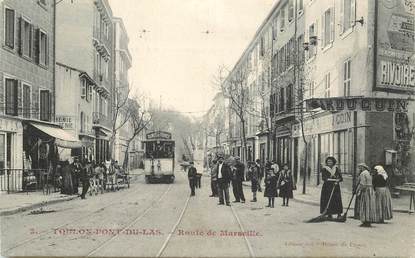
(396, 45)
(358, 104)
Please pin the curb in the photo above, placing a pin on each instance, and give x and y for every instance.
(35, 205)
(40, 204)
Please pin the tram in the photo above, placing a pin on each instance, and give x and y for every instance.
(159, 157)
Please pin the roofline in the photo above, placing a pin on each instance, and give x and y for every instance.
(122, 25)
(270, 15)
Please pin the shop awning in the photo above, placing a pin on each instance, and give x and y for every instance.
(63, 138)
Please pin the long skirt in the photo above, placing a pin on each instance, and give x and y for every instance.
(336, 204)
(367, 205)
(383, 204)
(286, 191)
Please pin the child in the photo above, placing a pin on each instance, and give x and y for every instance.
(285, 184)
(271, 181)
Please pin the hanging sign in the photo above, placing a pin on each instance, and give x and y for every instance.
(358, 104)
(158, 135)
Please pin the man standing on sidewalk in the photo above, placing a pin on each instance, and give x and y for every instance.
(224, 175)
(84, 176)
(191, 174)
(214, 179)
(261, 173)
(238, 177)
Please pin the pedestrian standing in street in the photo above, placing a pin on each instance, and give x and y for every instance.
(224, 176)
(84, 176)
(198, 179)
(240, 175)
(261, 173)
(285, 184)
(191, 175)
(76, 170)
(366, 196)
(275, 167)
(214, 179)
(253, 174)
(382, 194)
(271, 182)
(67, 178)
(331, 176)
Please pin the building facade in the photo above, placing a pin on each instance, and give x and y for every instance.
(86, 27)
(342, 77)
(122, 62)
(26, 82)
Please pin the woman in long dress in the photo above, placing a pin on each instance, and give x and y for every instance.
(366, 196)
(383, 195)
(331, 176)
(67, 179)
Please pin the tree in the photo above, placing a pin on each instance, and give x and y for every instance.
(139, 120)
(234, 88)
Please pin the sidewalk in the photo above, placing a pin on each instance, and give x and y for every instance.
(312, 197)
(19, 202)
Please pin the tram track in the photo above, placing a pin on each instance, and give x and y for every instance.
(76, 220)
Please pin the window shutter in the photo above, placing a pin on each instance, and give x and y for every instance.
(19, 98)
(32, 39)
(20, 33)
(353, 12)
(10, 14)
(36, 46)
(342, 16)
(332, 25)
(322, 31)
(47, 50)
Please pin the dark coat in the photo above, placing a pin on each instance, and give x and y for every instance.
(226, 173)
(285, 184)
(336, 205)
(191, 173)
(271, 186)
(240, 170)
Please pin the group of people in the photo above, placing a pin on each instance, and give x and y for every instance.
(373, 203)
(278, 183)
(92, 176)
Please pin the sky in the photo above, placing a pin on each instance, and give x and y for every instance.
(175, 61)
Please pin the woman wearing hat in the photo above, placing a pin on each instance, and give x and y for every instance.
(382, 195)
(331, 176)
(366, 197)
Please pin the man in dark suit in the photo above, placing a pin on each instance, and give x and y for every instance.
(191, 174)
(224, 176)
(238, 177)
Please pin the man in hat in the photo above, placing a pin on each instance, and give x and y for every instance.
(213, 179)
(191, 174)
(224, 176)
(237, 178)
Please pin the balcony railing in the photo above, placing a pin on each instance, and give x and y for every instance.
(101, 119)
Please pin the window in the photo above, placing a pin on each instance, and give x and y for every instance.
(311, 88)
(312, 41)
(43, 48)
(9, 28)
(2, 151)
(45, 105)
(282, 19)
(82, 119)
(347, 14)
(289, 97)
(327, 85)
(346, 77)
(282, 99)
(26, 38)
(11, 97)
(90, 94)
(84, 87)
(26, 101)
(327, 27)
(341, 149)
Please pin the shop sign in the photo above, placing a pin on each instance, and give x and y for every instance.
(396, 45)
(10, 125)
(358, 104)
(158, 135)
(66, 122)
(326, 123)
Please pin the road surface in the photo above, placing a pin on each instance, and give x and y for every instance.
(162, 220)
